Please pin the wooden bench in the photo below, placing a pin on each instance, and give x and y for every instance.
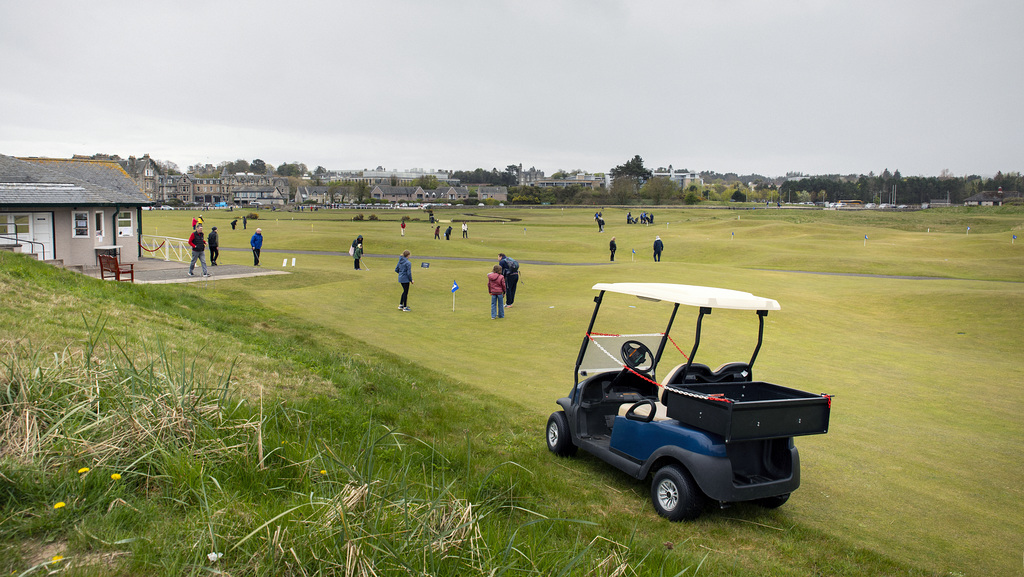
(117, 271)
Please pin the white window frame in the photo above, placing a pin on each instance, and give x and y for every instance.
(123, 229)
(101, 231)
(76, 230)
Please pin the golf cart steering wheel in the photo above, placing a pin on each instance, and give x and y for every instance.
(635, 353)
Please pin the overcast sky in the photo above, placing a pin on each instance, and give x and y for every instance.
(747, 86)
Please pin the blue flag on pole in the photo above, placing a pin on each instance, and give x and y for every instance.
(455, 286)
(865, 237)
(634, 251)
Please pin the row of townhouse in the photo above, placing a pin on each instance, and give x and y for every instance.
(416, 194)
(232, 189)
(384, 177)
(399, 194)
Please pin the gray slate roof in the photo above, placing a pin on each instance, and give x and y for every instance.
(50, 182)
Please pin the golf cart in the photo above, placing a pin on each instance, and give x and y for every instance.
(705, 435)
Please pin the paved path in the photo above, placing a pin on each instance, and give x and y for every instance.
(157, 271)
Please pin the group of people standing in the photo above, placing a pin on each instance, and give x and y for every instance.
(645, 218)
(658, 247)
(199, 243)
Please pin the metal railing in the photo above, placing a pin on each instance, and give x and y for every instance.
(17, 241)
(166, 247)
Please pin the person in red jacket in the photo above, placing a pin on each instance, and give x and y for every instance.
(198, 244)
(496, 286)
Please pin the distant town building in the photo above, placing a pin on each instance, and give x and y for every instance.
(993, 198)
(581, 179)
(243, 189)
(529, 177)
(382, 176)
(683, 178)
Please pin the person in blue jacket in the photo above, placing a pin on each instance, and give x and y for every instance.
(404, 270)
(256, 242)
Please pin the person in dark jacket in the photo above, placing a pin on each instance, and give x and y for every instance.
(511, 279)
(357, 254)
(256, 242)
(214, 242)
(612, 247)
(448, 233)
(198, 244)
(404, 270)
(357, 243)
(658, 247)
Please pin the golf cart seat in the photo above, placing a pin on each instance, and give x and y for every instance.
(660, 411)
(701, 373)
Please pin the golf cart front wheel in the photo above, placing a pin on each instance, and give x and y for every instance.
(675, 494)
(558, 435)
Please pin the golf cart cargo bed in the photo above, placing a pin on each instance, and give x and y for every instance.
(754, 410)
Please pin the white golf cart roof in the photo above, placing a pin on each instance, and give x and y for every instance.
(697, 296)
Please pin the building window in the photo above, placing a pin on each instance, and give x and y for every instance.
(124, 223)
(80, 222)
(99, 224)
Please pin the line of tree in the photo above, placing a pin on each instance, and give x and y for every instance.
(908, 190)
(633, 183)
(507, 177)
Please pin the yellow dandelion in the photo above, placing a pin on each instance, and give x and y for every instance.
(56, 558)
(83, 470)
(323, 471)
(59, 505)
(116, 477)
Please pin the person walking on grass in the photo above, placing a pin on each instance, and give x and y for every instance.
(448, 233)
(612, 247)
(496, 286)
(403, 228)
(658, 247)
(198, 244)
(465, 230)
(256, 242)
(437, 232)
(214, 241)
(404, 270)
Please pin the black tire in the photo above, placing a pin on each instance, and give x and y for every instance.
(675, 494)
(772, 502)
(558, 435)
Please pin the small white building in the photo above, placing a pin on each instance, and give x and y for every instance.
(70, 211)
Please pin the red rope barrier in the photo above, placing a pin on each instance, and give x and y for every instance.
(152, 249)
(716, 397)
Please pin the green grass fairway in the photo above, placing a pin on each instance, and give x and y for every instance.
(922, 460)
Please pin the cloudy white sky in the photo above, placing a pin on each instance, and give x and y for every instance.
(818, 86)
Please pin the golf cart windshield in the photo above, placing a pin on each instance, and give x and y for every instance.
(602, 351)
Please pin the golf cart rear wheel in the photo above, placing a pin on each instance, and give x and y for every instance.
(675, 494)
(558, 435)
